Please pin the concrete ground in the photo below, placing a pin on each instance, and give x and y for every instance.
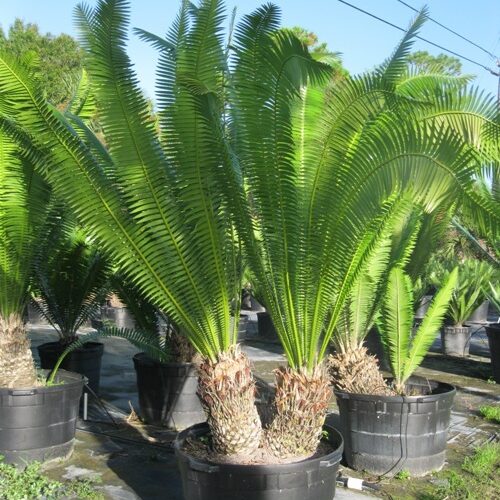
(135, 461)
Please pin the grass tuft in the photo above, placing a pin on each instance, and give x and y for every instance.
(491, 413)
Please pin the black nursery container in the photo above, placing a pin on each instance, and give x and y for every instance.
(386, 434)
(85, 360)
(167, 393)
(39, 423)
(493, 332)
(266, 328)
(310, 479)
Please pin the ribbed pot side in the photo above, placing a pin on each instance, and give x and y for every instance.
(386, 434)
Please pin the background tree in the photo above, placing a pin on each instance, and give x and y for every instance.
(439, 64)
(59, 58)
(320, 51)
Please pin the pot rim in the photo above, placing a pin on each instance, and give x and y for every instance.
(328, 460)
(87, 345)
(447, 389)
(70, 381)
(141, 356)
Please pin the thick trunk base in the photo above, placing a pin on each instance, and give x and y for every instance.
(17, 369)
(300, 408)
(227, 392)
(356, 372)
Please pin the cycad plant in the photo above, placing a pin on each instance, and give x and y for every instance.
(156, 197)
(352, 368)
(249, 154)
(23, 200)
(71, 277)
(407, 347)
(323, 175)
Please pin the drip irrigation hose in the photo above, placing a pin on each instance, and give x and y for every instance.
(354, 483)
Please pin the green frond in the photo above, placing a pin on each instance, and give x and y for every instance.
(144, 341)
(396, 321)
(426, 332)
(24, 197)
(71, 276)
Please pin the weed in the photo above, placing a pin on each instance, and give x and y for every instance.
(476, 481)
(484, 461)
(16, 484)
(402, 475)
(491, 413)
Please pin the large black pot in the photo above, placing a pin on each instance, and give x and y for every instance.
(313, 478)
(39, 423)
(493, 332)
(455, 340)
(375, 347)
(167, 393)
(386, 434)
(85, 360)
(266, 329)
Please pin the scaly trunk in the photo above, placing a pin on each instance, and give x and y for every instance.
(300, 407)
(227, 392)
(357, 372)
(17, 369)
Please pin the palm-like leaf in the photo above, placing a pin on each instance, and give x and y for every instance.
(71, 276)
(396, 320)
(321, 172)
(473, 277)
(147, 342)
(159, 212)
(426, 332)
(24, 198)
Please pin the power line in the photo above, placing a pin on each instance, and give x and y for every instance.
(452, 31)
(421, 38)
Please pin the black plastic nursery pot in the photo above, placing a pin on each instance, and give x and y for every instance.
(310, 479)
(266, 329)
(85, 360)
(375, 347)
(455, 340)
(39, 423)
(493, 332)
(387, 434)
(167, 393)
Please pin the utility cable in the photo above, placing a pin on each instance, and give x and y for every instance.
(421, 38)
(452, 31)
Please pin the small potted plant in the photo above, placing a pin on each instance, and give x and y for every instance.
(405, 425)
(493, 330)
(468, 295)
(70, 282)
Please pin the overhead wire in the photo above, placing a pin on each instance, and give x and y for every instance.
(493, 72)
(452, 31)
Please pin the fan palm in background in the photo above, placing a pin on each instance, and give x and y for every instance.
(23, 207)
(323, 174)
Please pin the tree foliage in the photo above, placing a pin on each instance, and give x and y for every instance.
(59, 58)
(441, 63)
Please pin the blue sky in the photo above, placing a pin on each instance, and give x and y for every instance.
(363, 41)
